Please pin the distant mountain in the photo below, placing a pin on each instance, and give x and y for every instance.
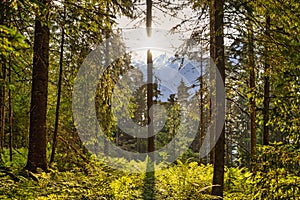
(169, 71)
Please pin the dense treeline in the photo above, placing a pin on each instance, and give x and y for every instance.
(256, 48)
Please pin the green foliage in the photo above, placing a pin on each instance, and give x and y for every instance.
(92, 183)
(278, 172)
(11, 41)
(19, 158)
(237, 184)
(276, 184)
(128, 187)
(184, 181)
(276, 175)
(188, 180)
(97, 181)
(279, 155)
(189, 156)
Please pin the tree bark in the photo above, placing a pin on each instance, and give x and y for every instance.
(251, 67)
(202, 134)
(217, 54)
(3, 109)
(10, 116)
(58, 94)
(266, 102)
(151, 147)
(38, 134)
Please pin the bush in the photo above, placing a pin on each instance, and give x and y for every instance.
(278, 172)
(237, 184)
(184, 181)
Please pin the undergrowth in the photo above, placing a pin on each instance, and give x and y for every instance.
(183, 180)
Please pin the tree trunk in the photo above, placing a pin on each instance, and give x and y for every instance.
(3, 17)
(251, 68)
(151, 147)
(38, 134)
(217, 54)
(265, 138)
(150, 103)
(58, 94)
(212, 151)
(3, 110)
(202, 134)
(149, 180)
(10, 116)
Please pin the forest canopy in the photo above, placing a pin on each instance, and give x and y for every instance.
(216, 115)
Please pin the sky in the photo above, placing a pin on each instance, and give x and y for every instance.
(163, 23)
(161, 20)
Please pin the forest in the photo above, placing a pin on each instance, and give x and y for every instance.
(133, 99)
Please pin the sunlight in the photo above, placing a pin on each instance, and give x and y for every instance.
(160, 42)
(149, 42)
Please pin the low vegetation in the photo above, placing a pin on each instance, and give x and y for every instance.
(276, 177)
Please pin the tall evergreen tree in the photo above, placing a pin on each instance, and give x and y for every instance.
(37, 157)
(217, 54)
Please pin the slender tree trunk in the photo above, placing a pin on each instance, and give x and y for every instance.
(202, 134)
(37, 157)
(150, 103)
(61, 57)
(212, 152)
(227, 147)
(3, 109)
(212, 53)
(266, 102)
(229, 144)
(149, 181)
(251, 67)
(10, 116)
(217, 54)
(151, 147)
